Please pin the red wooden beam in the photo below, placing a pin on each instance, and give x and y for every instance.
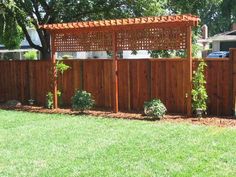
(54, 76)
(189, 72)
(115, 74)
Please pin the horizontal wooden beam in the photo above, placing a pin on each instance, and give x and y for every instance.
(118, 28)
(212, 59)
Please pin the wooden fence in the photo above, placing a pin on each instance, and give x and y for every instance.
(219, 86)
(138, 81)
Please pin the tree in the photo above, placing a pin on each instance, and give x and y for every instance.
(228, 8)
(17, 15)
(218, 15)
(9, 28)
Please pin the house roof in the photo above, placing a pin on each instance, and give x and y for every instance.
(226, 36)
(190, 20)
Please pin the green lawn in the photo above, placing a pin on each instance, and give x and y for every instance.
(59, 145)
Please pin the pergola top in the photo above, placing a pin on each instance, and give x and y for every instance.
(144, 33)
(189, 20)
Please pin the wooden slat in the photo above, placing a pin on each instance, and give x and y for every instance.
(139, 81)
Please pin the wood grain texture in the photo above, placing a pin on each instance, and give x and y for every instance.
(138, 81)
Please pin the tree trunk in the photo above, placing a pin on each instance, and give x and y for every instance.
(45, 54)
(46, 49)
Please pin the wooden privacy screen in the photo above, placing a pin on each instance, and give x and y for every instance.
(139, 81)
(92, 41)
(137, 39)
(144, 33)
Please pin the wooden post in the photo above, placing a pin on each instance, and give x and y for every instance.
(115, 74)
(53, 60)
(233, 63)
(189, 73)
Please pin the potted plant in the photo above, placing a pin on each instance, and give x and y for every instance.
(199, 93)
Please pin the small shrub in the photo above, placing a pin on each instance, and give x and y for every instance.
(155, 108)
(30, 55)
(49, 99)
(82, 101)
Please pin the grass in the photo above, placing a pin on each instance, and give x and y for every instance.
(61, 145)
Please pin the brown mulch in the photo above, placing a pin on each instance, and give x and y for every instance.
(212, 121)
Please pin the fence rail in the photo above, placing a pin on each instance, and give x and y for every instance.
(139, 80)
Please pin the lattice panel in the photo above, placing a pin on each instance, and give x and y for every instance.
(145, 39)
(92, 41)
(152, 39)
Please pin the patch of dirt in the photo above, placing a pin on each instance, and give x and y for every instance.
(212, 121)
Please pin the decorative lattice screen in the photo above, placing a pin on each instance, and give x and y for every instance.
(91, 41)
(145, 39)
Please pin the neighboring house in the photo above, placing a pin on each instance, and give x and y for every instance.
(24, 47)
(221, 42)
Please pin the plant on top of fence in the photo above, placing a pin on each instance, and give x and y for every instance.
(199, 92)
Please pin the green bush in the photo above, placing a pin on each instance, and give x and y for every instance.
(30, 55)
(199, 93)
(49, 99)
(155, 108)
(82, 101)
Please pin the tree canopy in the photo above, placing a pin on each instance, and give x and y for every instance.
(218, 15)
(17, 15)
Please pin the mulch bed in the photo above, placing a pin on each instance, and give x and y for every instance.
(212, 121)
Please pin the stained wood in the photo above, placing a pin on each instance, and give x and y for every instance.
(189, 71)
(138, 81)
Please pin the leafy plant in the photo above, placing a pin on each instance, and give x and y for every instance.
(82, 101)
(61, 67)
(199, 93)
(30, 55)
(49, 99)
(155, 108)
